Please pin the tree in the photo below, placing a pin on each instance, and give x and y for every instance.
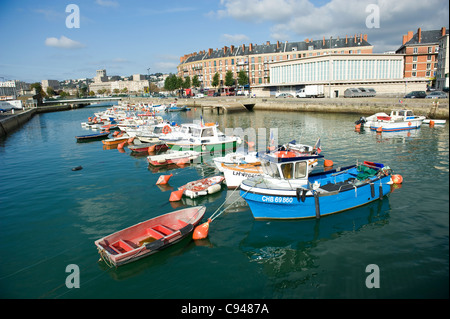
(215, 81)
(125, 90)
(171, 83)
(50, 91)
(116, 91)
(91, 93)
(187, 82)
(242, 78)
(229, 80)
(195, 81)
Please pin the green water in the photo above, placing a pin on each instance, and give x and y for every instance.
(50, 217)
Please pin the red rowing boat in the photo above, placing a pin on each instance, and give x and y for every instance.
(148, 237)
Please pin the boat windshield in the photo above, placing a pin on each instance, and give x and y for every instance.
(294, 170)
(270, 169)
(207, 132)
(195, 132)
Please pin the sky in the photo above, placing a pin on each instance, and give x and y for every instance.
(71, 39)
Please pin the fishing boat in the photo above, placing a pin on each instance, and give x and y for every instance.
(203, 138)
(201, 187)
(172, 157)
(436, 121)
(236, 172)
(148, 237)
(287, 189)
(140, 147)
(367, 121)
(236, 158)
(399, 120)
(174, 108)
(92, 137)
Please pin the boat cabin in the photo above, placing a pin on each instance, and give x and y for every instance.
(398, 115)
(287, 165)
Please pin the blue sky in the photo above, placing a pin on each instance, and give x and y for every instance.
(128, 37)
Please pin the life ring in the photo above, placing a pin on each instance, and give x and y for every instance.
(409, 123)
(166, 129)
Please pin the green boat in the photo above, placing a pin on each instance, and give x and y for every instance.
(204, 138)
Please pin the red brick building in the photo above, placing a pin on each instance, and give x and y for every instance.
(421, 52)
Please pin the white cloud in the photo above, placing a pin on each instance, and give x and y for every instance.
(235, 38)
(63, 42)
(296, 20)
(107, 3)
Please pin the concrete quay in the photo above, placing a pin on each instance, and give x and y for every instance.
(11, 121)
(358, 106)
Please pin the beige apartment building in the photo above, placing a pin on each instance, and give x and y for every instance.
(256, 58)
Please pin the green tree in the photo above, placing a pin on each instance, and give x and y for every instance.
(125, 90)
(215, 81)
(91, 93)
(171, 83)
(116, 91)
(195, 81)
(50, 91)
(187, 82)
(242, 78)
(229, 80)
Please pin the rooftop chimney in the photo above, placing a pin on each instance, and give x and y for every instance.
(409, 36)
(405, 37)
(251, 47)
(365, 37)
(210, 51)
(443, 31)
(268, 43)
(231, 48)
(307, 40)
(323, 41)
(278, 45)
(346, 39)
(225, 49)
(419, 33)
(243, 48)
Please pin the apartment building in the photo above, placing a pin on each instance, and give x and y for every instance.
(443, 63)
(421, 52)
(255, 59)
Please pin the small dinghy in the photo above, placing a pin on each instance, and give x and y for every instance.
(92, 137)
(148, 237)
(201, 187)
(172, 157)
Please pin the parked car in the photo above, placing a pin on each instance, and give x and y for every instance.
(283, 95)
(416, 95)
(199, 95)
(353, 92)
(437, 95)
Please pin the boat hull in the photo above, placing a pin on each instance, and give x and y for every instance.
(216, 148)
(235, 173)
(287, 204)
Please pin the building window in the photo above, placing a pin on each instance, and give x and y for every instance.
(428, 66)
(415, 58)
(430, 50)
(428, 73)
(413, 74)
(415, 50)
(414, 67)
(429, 57)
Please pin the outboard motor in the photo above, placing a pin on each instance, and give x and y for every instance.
(361, 120)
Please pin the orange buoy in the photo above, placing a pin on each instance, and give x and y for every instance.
(379, 130)
(431, 123)
(163, 179)
(328, 163)
(201, 231)
(397, 179)
(121, 145)
(176, 195)
(358, 127)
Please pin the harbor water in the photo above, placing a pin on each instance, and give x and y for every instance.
(50, 217)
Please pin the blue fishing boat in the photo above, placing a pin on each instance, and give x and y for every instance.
(287, 189)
